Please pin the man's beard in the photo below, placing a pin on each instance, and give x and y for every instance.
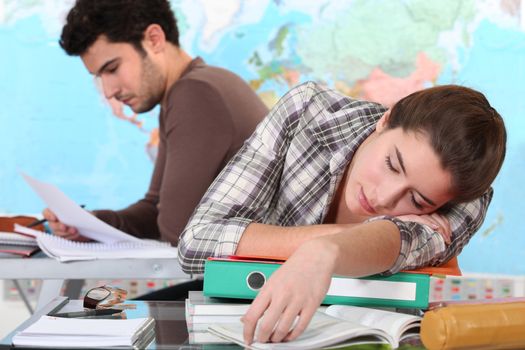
(151, 87)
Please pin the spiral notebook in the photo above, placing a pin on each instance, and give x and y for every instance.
(65, 250)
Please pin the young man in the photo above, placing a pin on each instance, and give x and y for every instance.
(345, 187)
(132, 47)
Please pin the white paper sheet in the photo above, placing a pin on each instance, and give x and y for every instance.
(71, 214)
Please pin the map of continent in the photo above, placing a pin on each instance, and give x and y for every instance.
(58, 127)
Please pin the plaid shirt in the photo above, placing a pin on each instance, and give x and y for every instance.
(287, 173)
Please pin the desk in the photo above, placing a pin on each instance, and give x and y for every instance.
(170, 326)
(53, 273)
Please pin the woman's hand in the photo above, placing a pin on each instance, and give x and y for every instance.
(437, 222)
(61, 229)
(291, 296)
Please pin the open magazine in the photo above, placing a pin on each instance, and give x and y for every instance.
(338, 325)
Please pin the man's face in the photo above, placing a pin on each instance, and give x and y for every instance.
(396, 173)
(125, 74)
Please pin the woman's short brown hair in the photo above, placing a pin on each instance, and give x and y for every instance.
(466, 132)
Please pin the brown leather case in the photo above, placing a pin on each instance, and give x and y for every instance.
(7, 223)
(478, 326)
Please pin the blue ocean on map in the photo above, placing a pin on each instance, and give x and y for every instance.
(58, 127)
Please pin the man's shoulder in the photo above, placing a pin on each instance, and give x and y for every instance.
(203, 80)
(202, 74)
(188, 89)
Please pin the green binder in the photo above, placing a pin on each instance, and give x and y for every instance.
(243, 279)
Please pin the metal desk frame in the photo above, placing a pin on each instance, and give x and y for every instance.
(53, 273)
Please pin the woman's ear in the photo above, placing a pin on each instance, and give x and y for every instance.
(383, 121)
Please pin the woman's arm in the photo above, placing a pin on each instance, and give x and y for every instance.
(243, 192)
(422, 245)
(297, 288)
(388, 245)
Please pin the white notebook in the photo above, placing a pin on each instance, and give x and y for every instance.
(65, 250)
(56, 332)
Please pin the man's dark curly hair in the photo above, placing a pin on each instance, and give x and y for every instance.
(122, 21)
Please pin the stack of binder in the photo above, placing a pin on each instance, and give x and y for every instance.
(243, 277)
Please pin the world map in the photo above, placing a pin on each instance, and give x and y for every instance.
(56, 125)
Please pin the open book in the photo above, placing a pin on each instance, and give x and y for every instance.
(111, 242)
(56, 332)
(337, 325)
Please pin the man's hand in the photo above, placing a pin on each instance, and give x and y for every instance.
(61, 229)
(294, 291)
(437, 222)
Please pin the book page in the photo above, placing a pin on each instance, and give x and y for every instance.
(71, 214)
(393, 323)
(323, 330)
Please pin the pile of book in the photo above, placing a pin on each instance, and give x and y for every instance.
(58, 333)
(14, 244)
(203, 312)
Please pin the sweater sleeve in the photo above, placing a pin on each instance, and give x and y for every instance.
(422, 247)
(243, 191)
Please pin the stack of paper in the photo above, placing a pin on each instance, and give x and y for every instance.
(56, 332)
(16, 244)
(201, 312)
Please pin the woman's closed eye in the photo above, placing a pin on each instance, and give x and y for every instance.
(388, 162)
(415, 203)
(390, 166)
